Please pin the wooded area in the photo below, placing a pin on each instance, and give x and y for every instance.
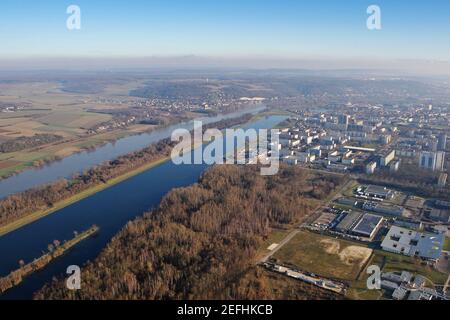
(201, 242)
(22, 143)
(19, 205)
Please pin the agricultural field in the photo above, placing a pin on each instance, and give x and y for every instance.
(47, 107)
(325, 256)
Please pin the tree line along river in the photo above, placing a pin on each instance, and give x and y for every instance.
(110, 210)
(79, 162)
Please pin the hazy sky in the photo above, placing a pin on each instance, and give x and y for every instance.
(292, 29)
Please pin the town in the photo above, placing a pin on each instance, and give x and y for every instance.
(389, 214)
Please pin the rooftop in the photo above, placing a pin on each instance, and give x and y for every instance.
(412, 243)
(368, 225)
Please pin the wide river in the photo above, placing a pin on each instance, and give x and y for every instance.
(110, 209)
(79, 162)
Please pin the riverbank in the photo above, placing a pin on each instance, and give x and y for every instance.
(16, 277)
(15, 163)
(275, 112)
(41, 213)
(110, 209)
(75, 198)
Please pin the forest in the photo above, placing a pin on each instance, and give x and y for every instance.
(19, 205)
(23, 143)
(412, 179)
(201, 242)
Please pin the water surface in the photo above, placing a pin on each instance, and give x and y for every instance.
(110, 209)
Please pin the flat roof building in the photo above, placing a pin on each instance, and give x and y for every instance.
(368, 225)
(415, 244)
(350, 220)
(399, 293)
(390, 210)
(379, 192)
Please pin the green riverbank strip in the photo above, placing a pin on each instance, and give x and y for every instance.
(10, 227)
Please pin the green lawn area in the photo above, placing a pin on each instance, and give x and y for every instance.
(19, 167)
(390, 262)
(348, 192)
(394, 262)
(324, 256)
(359, 291)
(447, 244)
(276, 236)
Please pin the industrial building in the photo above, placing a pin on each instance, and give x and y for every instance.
(390, 210)
(376, 192)
(415, 244)
(438, 215)
(349, 222)
(325, 220)
(368, 226)
(347, 202)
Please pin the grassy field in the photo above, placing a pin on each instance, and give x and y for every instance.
(447, 244)
(359, 291)
(395, 262)
(324, 256)
(82, 195)
(390, 262)
(276, 236)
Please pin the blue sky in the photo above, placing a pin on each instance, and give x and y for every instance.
(226, 28)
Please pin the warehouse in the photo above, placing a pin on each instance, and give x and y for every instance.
(378, 192)
(368, 225)
(427, 246)
(350, 220)
(390, 210)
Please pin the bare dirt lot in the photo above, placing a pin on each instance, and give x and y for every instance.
(349, 255)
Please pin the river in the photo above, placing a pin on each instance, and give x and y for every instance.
(76, 163)
(110, 209)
